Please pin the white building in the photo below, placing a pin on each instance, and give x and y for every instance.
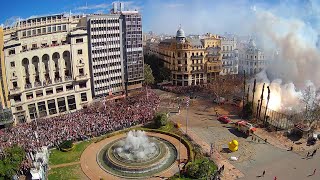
(47, 66)
(230, 60)
(252, 60)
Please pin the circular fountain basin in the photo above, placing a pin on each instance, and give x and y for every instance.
(137, 159)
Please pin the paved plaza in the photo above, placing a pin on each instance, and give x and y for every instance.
(254, 157)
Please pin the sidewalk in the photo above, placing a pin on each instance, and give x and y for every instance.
(230, 172)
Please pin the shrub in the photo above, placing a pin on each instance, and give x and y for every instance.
(161, 120)
(192, 170)
(66, 145)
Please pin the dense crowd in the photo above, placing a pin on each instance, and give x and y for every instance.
(97, 119)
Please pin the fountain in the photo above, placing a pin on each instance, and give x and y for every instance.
(137, 155)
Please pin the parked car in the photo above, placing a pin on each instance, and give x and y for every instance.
(224, 119)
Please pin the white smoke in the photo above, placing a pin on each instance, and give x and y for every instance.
(296, 64)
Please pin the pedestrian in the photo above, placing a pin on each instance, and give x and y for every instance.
(314, 172)
(314, 152)
(308, 154)
(222, 167)
(264, 172)
(275, 178)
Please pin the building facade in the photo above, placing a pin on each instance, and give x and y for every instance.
(252, 60)
(115, 51)
(230, 59)
(5, 103)
(105, 54)
(191, 61)
(47, 66)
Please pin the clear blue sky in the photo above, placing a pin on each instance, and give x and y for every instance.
(162, 15)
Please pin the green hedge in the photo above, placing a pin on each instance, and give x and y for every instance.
(66, 146)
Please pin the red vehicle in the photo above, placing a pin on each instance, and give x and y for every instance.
(224, 119)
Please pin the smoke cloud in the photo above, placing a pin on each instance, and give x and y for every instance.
(286, 30)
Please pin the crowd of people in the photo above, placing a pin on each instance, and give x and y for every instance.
(97, 119)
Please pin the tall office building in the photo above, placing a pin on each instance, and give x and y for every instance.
(47, 66)
(115, 51)
(105, 54)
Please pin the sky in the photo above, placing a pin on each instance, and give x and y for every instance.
(164, 16)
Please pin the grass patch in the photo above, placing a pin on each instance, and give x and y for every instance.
(59, 157)
(67, 172)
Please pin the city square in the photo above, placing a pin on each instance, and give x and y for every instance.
(159, 89)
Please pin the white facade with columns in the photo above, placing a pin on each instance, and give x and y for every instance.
(47, 66)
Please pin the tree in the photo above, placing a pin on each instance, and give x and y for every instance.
(160, 72)
(312, 105)
(148, 76)
(204, 170)
(247, 111)
(192, 170)
(161, 120)
(11, 161)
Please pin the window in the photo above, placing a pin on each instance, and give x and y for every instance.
(79, 40)
(71, 102)
(17, 98)
(59, 89)
(39, 94)
(49, 29)
(38, 31)
(81, 72)
(83, 97)
(79, 51)
(19, 108)
(24, 33)
(59, 28)
(64, 27)
(14, 84)
(12, 64)
(83, 85)
(34, 32)
(52, 107)
(62, 105)
(29, 33)
(32, 111)
(44, 30)
(69, 87)
(49, 91)
(12, 51)
(42, 109)
(29, 96)
(53, 28)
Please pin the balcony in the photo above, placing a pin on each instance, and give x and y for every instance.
(37, 84)
(44, 46)
(14, 90)
(214, 55)
(58, 80)
(28, 86)
(81, 77)
(198, 71)
(196, 57)
(47, 82)
(68, 78)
